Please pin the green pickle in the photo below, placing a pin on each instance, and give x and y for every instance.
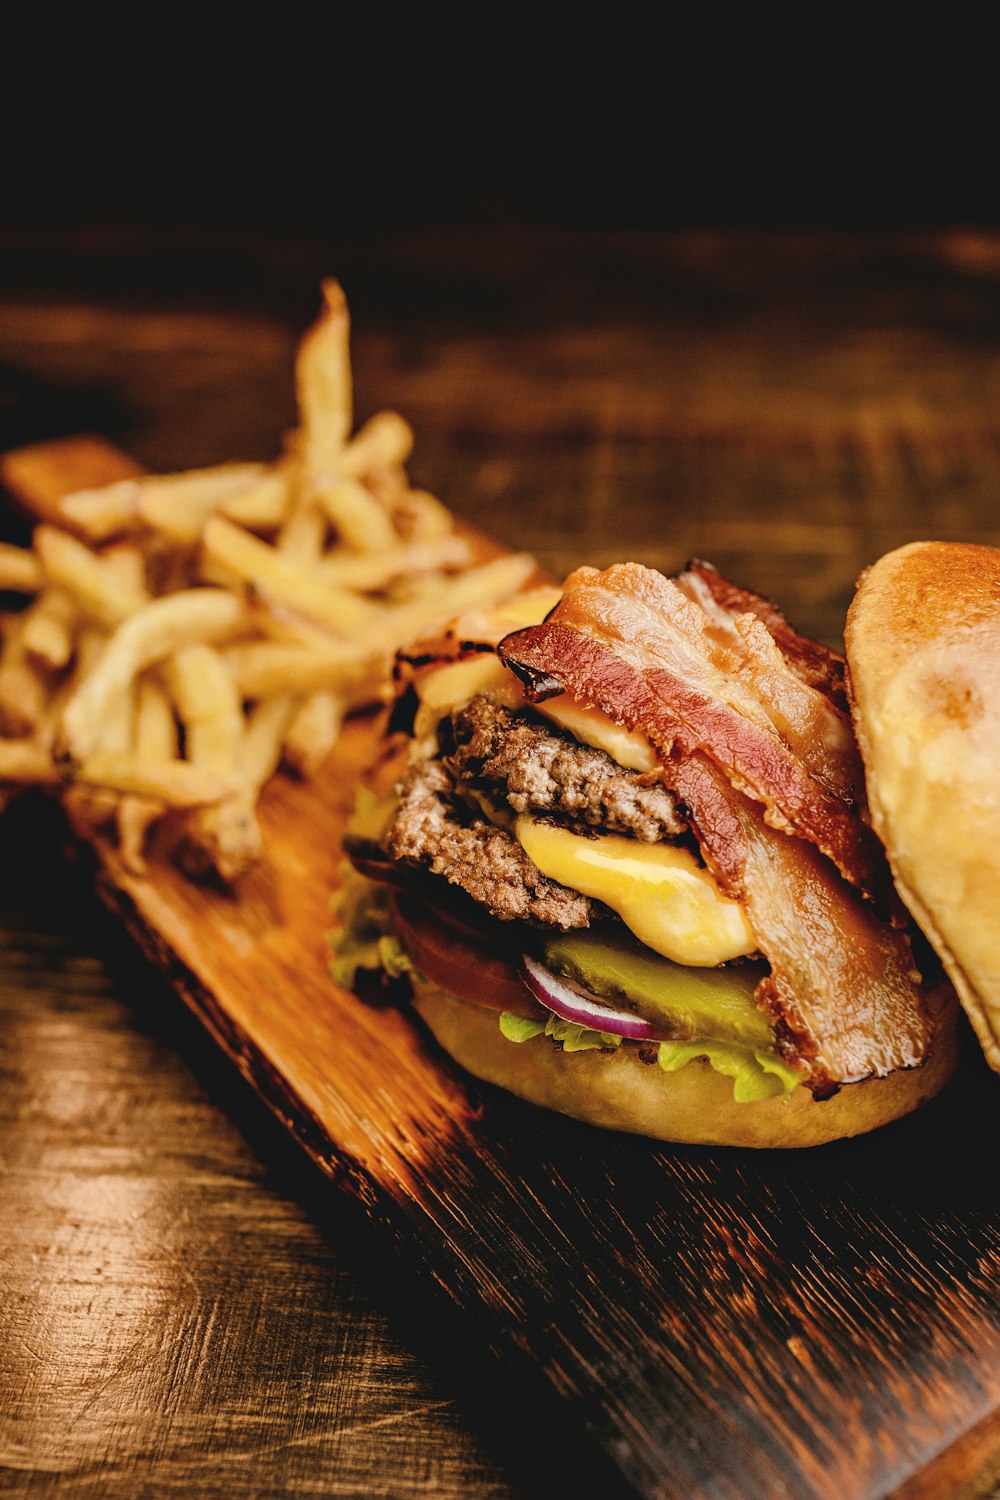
(691, 1004)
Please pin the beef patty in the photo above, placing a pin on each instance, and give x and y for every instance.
(536, 768)
(435, 830)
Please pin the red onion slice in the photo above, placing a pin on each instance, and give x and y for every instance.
(572, 1002)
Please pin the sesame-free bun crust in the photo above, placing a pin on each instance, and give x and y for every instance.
(923, 652)
(619, 1091)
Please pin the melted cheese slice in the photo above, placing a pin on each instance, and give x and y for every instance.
(626, 746)
(449, 687)
(660, 892)
(452, 686)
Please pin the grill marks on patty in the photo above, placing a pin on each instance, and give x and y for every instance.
(434, 830)
(536, 769)
(492, 753)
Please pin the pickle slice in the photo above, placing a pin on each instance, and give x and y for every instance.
(690, 1004)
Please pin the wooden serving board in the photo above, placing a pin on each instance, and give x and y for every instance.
(713, 1323)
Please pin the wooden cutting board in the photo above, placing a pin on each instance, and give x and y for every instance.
(712, 1323)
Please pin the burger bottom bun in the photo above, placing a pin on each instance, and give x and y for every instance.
(619, 1091)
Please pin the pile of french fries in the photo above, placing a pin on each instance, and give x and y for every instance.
(187, 634)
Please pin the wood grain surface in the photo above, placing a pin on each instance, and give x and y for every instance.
(183, 1311)
(824, 1324)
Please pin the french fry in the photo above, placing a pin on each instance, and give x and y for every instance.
(276, 623)
(360, 520)
(128, 563)
(177, 783)
(23, 689)
(155, 632)
(262, 668)
(262, 505)
(303, 532)
(155, 741)
(323, 388)
(526, 607)
(420, 517)
(368, 572)
(89, 644)
(87, 809)
(208, 707)
(316, 719)
(96, 585)
(215, 573)
(174, 783)
(225, 838)
(178, 505)
(48, 633)
(102, 513)
(313, 732)
(388, 485)
(489, 584)
(98, 804)
(385, 441)
(267, 726)
(27, 761)
(20, 570)
(281, 579)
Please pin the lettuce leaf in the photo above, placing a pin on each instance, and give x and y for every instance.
(755, 1075)
(519, 1028)
(361, 937)
(570, 1036)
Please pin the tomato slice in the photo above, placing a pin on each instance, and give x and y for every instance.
(453, 961)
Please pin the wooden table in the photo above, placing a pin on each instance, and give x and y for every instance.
(189, 1310)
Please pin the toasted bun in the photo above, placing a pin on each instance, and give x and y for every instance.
(923, 652)
(619, 1091)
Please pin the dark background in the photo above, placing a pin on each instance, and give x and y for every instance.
(322, 125)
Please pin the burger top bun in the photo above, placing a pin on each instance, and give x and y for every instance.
(923, 652)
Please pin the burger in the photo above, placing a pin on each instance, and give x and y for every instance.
(617, 852)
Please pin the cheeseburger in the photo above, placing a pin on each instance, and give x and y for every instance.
(625, 869)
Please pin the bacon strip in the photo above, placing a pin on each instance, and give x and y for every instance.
(723, 601)
(777, 739)
(842, 988)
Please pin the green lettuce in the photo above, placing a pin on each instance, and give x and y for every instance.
(362, 936)
(570, 1036)
(755, 1075)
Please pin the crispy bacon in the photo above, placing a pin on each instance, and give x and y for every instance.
(767, 769)
(778, 740)
(724, 601)
(842, 987)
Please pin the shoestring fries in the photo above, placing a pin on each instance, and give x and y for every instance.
(182, 637)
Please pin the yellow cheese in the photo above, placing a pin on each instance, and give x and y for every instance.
(527, 608)
(659, 891)
(626, 746)
(452, 686)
